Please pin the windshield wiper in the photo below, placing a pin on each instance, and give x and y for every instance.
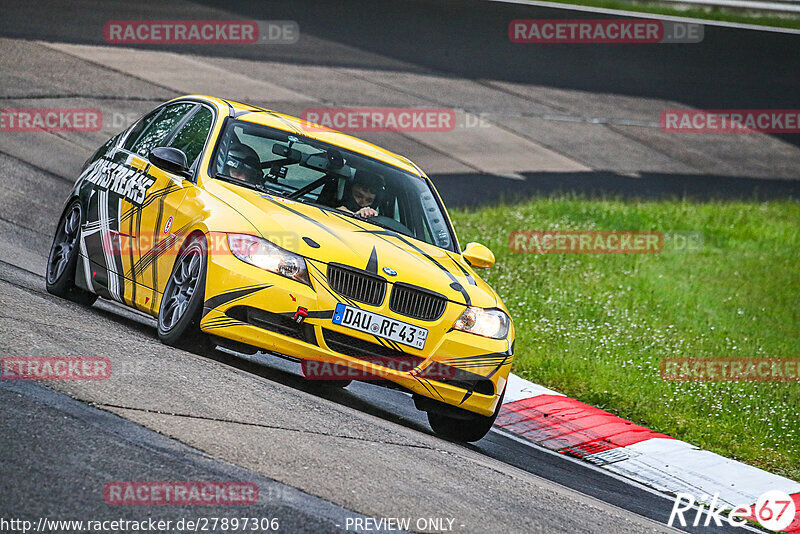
(258, 187)
(265, 189)
(236, 181)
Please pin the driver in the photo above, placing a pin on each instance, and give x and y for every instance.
(243, 163)
(362, 194)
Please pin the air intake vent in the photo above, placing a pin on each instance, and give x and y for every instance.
(416, 302)
(275, 322)
(358, 285)
(363, 350)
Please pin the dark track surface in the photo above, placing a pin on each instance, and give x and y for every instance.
(71, 450)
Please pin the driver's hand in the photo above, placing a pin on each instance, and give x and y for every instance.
(367, 212)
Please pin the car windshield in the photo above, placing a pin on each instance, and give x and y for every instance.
(314, 172)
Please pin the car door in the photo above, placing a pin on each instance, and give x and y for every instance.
(129, 198)
(171, 222)
(160, 225)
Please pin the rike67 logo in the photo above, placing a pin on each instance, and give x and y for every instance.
(774, 510)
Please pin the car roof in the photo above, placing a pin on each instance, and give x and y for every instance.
(288, 123)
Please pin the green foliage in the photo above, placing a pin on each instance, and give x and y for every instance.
(596, 326)
(741, 16)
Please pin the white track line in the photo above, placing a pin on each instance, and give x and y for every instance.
(670, 465)
(586, 465)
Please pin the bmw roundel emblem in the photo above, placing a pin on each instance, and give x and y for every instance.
(390, 271)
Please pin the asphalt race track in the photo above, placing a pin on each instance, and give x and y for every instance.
(575, 117)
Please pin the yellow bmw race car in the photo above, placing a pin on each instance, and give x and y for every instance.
(238, 226)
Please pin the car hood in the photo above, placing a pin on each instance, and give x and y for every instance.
(331, 237)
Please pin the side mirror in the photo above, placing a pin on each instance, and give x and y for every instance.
(170, 159)
(478, 256)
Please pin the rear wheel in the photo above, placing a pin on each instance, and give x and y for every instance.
(182, 303)
(63, 258)
(466, 427)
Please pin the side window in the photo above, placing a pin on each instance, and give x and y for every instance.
(158, 131)
(139, 127)
(192, 136)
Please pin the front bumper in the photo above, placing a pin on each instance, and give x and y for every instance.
(256, 307)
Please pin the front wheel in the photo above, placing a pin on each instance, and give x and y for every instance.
(182, 303)
(466, 428)
(63, 258)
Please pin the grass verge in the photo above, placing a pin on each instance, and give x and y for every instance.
(596, 327)
(760, 18)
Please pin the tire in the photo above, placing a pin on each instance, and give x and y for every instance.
(63, 258)
(468, 428)
(182, 303)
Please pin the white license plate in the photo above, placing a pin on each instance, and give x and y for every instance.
(378, 325)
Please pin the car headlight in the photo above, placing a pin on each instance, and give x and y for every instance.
(486, 323)
(263, 254)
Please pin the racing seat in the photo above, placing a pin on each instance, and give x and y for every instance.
(332, 193)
